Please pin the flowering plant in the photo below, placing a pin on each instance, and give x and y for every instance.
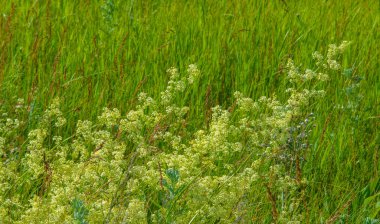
(146, 166)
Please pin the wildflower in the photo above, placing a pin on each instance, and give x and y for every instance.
(173, 72)
(136, 212)
(193, 72)
(333, 64)
(109, 118)
(322, 77)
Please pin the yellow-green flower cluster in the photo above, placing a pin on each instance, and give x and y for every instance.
(146, 166)
(331, 59)
(53, 112)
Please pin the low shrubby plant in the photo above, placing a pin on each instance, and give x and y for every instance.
(148, 166)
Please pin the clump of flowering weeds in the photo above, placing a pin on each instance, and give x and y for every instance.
(145, 166)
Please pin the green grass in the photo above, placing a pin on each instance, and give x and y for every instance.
(93, 54)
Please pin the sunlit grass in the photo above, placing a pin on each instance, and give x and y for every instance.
(103, 54)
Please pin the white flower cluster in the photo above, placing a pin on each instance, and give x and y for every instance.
(332, 55)
(323, 63)
(295, 76)
(109, 118)
(53, 112)
(193, 73)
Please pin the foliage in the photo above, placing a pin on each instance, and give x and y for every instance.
(148, 166)
(251, 137)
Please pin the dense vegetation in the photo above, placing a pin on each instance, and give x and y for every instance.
(189, 111)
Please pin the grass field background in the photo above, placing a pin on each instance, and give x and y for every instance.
(95, 54)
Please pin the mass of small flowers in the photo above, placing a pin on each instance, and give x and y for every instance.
(147, 166)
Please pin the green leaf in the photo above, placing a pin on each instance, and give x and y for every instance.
(80, 211)
(348, 72)
(173, 175)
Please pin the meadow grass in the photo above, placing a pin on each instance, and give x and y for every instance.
(96, 54)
